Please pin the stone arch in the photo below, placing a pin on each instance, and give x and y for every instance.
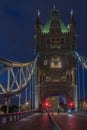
(56, 90)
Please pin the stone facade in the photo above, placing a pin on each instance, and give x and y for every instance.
(56, 67)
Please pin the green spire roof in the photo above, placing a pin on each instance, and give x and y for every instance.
(54, 15)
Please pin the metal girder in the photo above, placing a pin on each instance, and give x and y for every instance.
(15, 76)
(81, 59)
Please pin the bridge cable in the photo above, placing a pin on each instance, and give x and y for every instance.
(83, 61)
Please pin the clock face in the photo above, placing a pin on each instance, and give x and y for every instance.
(55, 62)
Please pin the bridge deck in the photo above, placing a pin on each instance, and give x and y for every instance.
(33, 122)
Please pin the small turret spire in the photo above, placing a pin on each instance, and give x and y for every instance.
(38, 13)
(72, 17)
(38, 17)
(73, 23)
(54, 8)
(71, 12)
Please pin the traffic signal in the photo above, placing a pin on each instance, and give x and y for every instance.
(47, 104)
(71, 104)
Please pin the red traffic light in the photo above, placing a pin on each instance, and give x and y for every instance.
(71, 104)
(47, 104)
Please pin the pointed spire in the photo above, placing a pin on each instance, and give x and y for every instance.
(38, 17)
(38, 13)
(73, 23)
(72, 17)
(54, 8)
(71, 12)
(54, 11)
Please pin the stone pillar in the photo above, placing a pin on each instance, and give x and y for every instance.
(36, 97)
(36, 88)
(74, 84)
(75, 96)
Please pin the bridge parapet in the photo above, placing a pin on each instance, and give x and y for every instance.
(11, 117)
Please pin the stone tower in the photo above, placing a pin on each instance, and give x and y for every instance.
(56, 67)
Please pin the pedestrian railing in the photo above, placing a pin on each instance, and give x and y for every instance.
(11, 117)
(53, 124)
(80, 112)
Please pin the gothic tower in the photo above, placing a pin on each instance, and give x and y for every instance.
(56, 67)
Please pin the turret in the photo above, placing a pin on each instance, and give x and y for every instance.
(73, 23)
(38, 24)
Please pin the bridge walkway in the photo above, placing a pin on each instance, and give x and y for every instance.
(33, 122)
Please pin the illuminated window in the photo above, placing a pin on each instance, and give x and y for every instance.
(55, 62)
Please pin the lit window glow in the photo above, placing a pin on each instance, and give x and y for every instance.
(55, 62)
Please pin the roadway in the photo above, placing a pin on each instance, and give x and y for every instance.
(33, 122)
(71, 122)
(41, 122)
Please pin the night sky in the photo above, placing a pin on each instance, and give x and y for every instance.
(17, 23)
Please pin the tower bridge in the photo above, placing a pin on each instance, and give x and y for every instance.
(56, 64)
(53, 71)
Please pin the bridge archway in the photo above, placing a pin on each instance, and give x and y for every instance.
(56, 101)
(52, 89)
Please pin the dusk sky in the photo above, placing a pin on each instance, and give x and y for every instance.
(17, 21)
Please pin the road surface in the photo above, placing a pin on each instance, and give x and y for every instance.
(41, 122)
(71, 122)
(33, 122)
